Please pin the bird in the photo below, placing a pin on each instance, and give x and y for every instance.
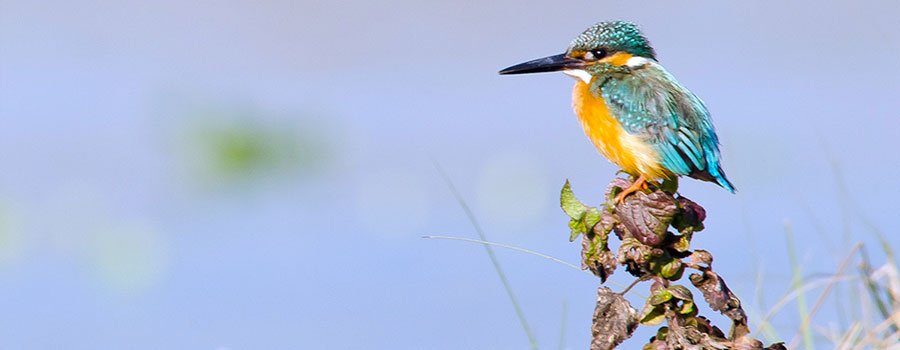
(633, 110)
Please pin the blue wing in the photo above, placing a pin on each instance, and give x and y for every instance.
(650, 103)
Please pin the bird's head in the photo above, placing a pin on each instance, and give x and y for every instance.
(602, 45)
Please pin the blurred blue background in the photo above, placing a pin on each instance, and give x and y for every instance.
(258, 174)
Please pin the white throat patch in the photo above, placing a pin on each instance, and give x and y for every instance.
(636, 62)
(579, 74)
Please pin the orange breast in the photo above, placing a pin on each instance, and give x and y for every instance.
(627, 151)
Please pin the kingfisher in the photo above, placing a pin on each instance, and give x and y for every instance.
(633, 110)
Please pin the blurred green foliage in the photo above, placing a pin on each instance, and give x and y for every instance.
(229, 148)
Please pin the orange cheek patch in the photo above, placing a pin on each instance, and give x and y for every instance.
(618, 59)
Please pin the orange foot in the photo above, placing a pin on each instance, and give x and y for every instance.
(640, 183)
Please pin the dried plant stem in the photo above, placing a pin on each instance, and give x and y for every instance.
(490, 253)
(796, 283)
(804, 326)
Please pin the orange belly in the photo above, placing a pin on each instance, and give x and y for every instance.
(627, 151)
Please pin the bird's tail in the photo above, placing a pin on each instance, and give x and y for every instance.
(719, 175)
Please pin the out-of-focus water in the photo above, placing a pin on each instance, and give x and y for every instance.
(246, 174)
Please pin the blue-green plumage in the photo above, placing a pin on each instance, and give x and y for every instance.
(649, 102)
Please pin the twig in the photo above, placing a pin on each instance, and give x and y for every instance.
(523, 250)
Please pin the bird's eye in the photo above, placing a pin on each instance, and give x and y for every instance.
(595, 54)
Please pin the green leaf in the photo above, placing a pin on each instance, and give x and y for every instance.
(584, 218)
(683, 243)
(688, 308)
(591, 217)
(577, 226)
(667, 267)
(653, 315)
(659, 296)
(672, 270)
(662, 333)
(571, 205)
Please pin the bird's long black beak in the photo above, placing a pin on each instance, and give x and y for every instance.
(546, 64)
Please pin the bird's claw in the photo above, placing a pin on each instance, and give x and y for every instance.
(640, 183)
